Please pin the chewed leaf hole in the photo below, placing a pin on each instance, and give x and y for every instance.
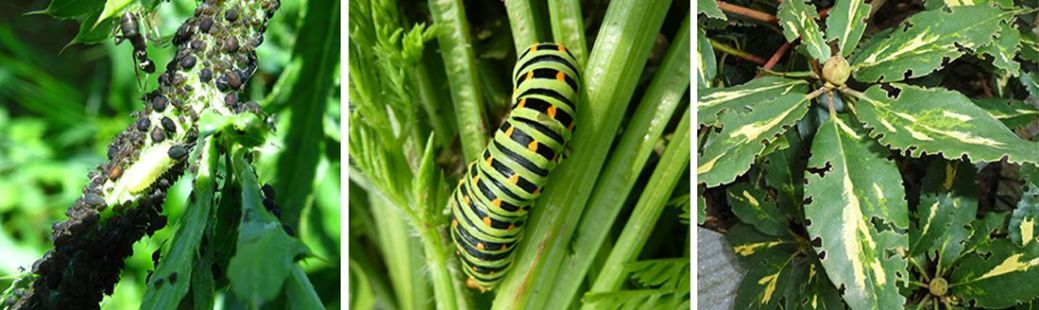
(821, 172)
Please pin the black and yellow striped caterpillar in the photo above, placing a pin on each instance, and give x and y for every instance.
(490, 204)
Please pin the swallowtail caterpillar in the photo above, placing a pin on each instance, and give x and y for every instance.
(490, 204)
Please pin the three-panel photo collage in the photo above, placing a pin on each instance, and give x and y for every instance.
(519, 154)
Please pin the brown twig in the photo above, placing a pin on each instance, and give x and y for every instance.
(724, 48)
(776, 56)
(748, 12)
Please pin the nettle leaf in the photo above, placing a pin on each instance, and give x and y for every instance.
(1024, 221)
(943, 221)
(710, 103)
(706, 66)
(846, 23)
(920, 120)
(857, 209)
(66, 9)
(729, 153)
(769, 262)
(798, 20)
(1012, 112)
(1004, 49)
(710, 9)
(996, 281)
(931, 37)
(753, 207)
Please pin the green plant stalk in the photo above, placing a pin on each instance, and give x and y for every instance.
(400, 255)
(445, 286)
(498, 96)
(568, 27)
(613, 71)
(654, 111)
(525, 22)
(671, 167)
(460, 63)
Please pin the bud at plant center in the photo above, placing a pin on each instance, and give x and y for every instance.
(836, 70)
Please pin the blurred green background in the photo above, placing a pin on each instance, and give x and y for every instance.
(60, 109)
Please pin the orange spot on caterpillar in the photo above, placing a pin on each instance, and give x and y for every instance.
(508, 132)
(532, 146)
(465, 199)
(523, 103)
(512, 226)
(530, 75)
(514, 179)
(562, 48)
(479, 246)
(487, 220)
(560, 76)
(496, 202)
(552, 111)
(490, 160)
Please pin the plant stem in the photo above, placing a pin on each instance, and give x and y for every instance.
(568, 27)
(460, 63)
(673, 164)
(725, 48)
(612, 73)
(747, 12)
(524, 22)
(641, 135)
(437, 262)
(776, 56)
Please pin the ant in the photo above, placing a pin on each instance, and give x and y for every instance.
(130, 29)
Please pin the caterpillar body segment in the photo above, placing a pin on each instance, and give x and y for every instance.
(490, 204)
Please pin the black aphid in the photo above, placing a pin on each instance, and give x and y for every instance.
(205, 75)
(231, 15)
(144, 124)
(231, 45)
(168, 124)
(231, 99)
(187, 62)
(93, 199)
(159, 103)
(205, 24)
(177, 152)
(233, 80)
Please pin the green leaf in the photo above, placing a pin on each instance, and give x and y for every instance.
(920, 120)
(931, 37)
(706, 65)
(1030, 46)
(983, 231)
(1012, 112)
(784, 171)
(753, 207)
(857, 209)
(847, 23)
(317, 47)
(798, 20)
(713, 102)
(265, 254)
(92, 31)
(179, 260)
(710, 9)
(996, 281)
(1024, 221)
(729, 153)
(701, 206)
(817, 292)
(66, 9)
(769, 269)
(943, 221)
(112, 7)
(1004, 49)
(1031, 82)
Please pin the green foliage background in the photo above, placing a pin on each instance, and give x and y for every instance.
(59, 111)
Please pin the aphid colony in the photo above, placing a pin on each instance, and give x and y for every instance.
(210, 66)
(490, 204)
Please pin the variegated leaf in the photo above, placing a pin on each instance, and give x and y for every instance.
(710, 9)
(935, 4)
(753, 207)
(769, 260)
(712, 102)
(729, 153)
(706, 65)
(942, 222)
(984, 230)
(937, 121)
(1002, 279)
(798, 20)
(1012, 112)
(1024, 222)
(815, 292)
(846, 23)
(931, 36)
(1031, 82)
(1030, 46)
(1004, 49)
(857, 210)
(784, 171)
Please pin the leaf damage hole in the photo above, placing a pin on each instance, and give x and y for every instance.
(908, 74)
(821, 172)
(892, 92)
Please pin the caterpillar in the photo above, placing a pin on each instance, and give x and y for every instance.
(490, 204)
